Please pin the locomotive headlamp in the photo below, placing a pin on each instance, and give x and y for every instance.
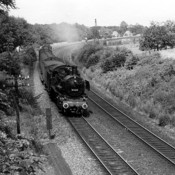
(84, 98)
(65, 105)
(84, 106)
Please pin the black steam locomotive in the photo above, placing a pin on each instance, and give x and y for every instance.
(63, 82)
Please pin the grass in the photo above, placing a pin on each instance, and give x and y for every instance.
(147, 87)
(169, 53)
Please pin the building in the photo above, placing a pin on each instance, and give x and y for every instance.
(115, 34)
(127, 34)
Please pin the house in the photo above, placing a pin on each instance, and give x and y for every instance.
(127, 34)
(115, 34)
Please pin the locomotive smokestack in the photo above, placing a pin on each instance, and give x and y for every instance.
(74, 70)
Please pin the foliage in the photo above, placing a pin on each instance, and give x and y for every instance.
(158, 36)
(28, 95)
(131, 62)
(10, 63)
(136, 29)
(6, 4)
(14, 32)
(87, 51)
(146, 83)
(17, 155)
(5, 105)
(29, 56)
(123, 27)
(93, 60)
(117, 59)
(95, 32)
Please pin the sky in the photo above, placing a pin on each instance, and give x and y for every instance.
(107, 12)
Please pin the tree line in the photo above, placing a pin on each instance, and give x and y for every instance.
(158, 36)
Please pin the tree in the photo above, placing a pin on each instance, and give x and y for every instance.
(123, 27)
(15, 31)
(136, 29)
(11, 64)
(95, 33)
(157, 37)
(5, 5)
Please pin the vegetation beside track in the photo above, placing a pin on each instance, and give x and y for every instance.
(145, 82)
(19, 152)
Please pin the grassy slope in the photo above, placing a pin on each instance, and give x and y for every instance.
(156, 102)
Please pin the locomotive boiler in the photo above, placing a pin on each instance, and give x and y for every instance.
(63, 83)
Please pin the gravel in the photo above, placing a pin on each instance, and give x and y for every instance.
(142, 158)
(77, 156)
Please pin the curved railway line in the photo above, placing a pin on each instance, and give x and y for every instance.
(112, 162)
(160, 146)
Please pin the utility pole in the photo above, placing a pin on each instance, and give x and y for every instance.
(17, 114)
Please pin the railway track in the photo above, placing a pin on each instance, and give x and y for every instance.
(160, 146)
(108, 157)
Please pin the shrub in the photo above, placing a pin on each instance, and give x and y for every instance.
(93, 60)
(26, 59)
(113, 62)
(116, 59)
(87, 51)
(118, 93)
(131, 100)
(28, 97)
(152, 113)
(29, 56)
(150, 60)
(31, 52)
(164, 119)
(5, 105)
(131, 62)
(107, 66)
(17, 156)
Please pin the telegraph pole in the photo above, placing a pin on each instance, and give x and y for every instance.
(17, 114)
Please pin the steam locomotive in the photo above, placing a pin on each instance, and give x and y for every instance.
(63, 83)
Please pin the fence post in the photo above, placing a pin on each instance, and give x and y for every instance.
(49, 121)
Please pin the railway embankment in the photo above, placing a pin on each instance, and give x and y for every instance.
(138, 84)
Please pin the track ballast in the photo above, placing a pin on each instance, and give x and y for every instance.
(108, 157)
(155, 142)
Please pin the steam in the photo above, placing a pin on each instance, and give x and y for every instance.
(66, 32)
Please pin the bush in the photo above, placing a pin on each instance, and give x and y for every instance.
(164, 119)
(31, 52)
(87, 51)
(131, 62)
(113, 62)
(131, 100)
(5, 105)
(152, 113)
(29, 56)
(17, 156)
(116, 59)
(93, 60)
(154, 58)
(28, 96)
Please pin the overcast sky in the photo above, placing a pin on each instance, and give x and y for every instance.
(107, 12)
